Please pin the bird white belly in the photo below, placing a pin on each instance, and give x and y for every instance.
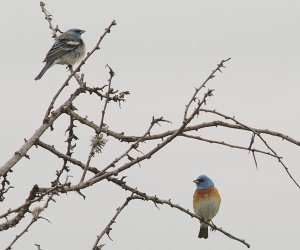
(207, 208)
(72, 57)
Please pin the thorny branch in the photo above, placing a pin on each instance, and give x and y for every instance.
(70, 148)
(108, 93)
(48, 17)
(260, 137)
(107, 229)
(135, 144)
(121, 136)
(35, 216)
(38, 133)
(253, 150)
(156, 200)
(34, 196)
(142, 195)
(211, 76)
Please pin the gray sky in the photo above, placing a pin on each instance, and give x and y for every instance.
(160, 50)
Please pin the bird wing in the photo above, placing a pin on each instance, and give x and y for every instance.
(62, 47)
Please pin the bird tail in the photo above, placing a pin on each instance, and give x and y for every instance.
(203, 231)
(46, 67)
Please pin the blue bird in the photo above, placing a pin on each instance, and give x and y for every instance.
(206, 202)
(68, 48)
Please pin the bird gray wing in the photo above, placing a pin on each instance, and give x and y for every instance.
(62, 47)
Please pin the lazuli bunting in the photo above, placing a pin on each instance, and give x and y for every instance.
(206, 202)
(68, 48)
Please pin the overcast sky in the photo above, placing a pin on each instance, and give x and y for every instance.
(159, 50)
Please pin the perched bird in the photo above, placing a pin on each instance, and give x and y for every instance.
(68, 48)
(206, 201)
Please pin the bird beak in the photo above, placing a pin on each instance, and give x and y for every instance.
(82, 31)
(196, 181)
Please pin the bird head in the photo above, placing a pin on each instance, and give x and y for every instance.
(203, 182)
(76, 31)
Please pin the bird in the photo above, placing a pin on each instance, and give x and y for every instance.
(68, 48)
(206, 202)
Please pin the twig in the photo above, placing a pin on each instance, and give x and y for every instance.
(20, 235)
(111, 75)
(70, 147)
(212, 75)
(48, 17)
(21, 210)
(108, 228)
(259, 136)
(135, 144)
(4, 189)
(253, 150)
(35, 217)
(109, 91)
(38, 247)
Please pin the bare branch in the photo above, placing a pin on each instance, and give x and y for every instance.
(156, 200)
(253, 150)
(35, 216)
(135, 144)
(108, 228)
(212, 75)
(48, 17)
(38, 133)
(259, 136)
(29, 143)
(141, 195)
(109, 91)
(131, 138)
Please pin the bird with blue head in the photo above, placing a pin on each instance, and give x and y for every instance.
(206, 202)
(68, 48)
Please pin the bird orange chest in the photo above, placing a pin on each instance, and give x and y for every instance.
(201, 194)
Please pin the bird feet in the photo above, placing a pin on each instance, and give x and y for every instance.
(70, 67)
(212, 229)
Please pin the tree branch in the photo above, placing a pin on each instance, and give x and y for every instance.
(108, 228)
